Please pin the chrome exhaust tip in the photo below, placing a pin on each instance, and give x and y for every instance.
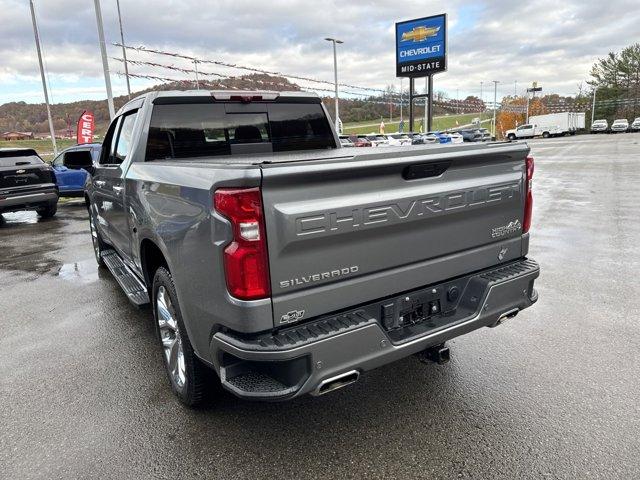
(505, 316)
(336, 382)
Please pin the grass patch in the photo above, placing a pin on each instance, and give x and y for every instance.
(444, 122)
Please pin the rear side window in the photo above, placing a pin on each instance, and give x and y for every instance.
(208, 129)
(12, 158)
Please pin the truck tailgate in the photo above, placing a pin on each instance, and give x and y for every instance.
(348, 230)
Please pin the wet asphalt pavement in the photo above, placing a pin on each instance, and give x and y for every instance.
(553, 393)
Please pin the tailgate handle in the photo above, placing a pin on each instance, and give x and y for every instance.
(425, 170)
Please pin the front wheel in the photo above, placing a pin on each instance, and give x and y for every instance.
(98, 245)
(187, 374)
(511, 136)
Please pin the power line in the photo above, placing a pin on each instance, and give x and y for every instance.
(243, 67)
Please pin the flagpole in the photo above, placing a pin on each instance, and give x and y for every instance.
(124, 51)
(105, 63)
(44, 82)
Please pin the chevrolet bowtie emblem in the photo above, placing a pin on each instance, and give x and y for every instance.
(418, 34)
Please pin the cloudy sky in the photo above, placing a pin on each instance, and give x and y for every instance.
(553, 42)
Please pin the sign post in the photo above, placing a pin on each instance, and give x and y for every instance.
(534, 88)
(421, 51)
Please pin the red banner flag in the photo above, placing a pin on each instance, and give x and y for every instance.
(86, 125)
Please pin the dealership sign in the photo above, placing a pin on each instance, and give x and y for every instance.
(86, 125)
(421, 46)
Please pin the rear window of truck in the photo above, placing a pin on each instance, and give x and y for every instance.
(211, 129)
(12, 158)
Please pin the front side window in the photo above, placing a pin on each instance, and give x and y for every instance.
(125, 136)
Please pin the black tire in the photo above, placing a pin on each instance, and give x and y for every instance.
(545, 135)
(193, 391)
(48, 211)
(511, 136)
(98, 244)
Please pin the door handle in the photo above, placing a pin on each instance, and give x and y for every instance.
(117, 189)
(99, 183)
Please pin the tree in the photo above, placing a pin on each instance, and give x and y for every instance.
(617, 78)
(509, 117)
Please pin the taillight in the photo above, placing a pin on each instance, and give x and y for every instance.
(528, 202)
(245, 258)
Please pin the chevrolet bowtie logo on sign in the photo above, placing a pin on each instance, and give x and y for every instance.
(418, 34)
(421, 46)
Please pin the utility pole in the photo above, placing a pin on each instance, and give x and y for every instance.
(593, 107)
(44, 82)
(515, 88)
(105, 63)
(495, 106)
(335, 76)
(124, 51)
(195, 64)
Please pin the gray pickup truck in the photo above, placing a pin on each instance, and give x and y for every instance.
(288, 265)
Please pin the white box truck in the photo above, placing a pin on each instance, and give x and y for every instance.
(550, 125)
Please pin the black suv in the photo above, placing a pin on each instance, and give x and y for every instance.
(26, 183)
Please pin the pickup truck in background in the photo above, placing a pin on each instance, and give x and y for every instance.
(26, 183)
(288, 265)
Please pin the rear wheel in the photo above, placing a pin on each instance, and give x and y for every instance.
(545, 135)
(511, 136)
(187, 374)
(48, 211)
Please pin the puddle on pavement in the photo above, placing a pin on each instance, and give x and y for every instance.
(18, 218)
(84, 271)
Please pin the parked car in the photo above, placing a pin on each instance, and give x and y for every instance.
(345, 141)
(26, 183)
(436, 137)
(471, 135)
(620, 125)
(372, 256)
(635, 126)
(486, 134)
(455, 137)
(359, 141)
(600, 126)
(73, 166)
(416, 138)
(377, 140)
(398, 139)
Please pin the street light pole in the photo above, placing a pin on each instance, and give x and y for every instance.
(495, 105)
(105, 63)
(44, 82)
(481, 102)
(593, 107)
(335, 76)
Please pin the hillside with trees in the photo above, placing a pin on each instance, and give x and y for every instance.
(28, 117)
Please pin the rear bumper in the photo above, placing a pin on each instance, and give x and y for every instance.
(301, 359)
(26, 201)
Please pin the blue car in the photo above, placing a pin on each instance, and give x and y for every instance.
(73, 166)
(442, 138)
